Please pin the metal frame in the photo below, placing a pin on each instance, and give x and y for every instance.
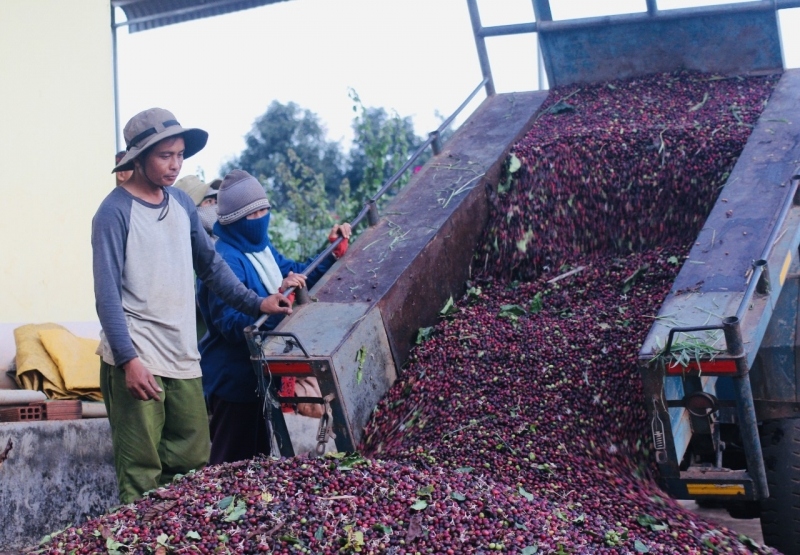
(177, 12)
(731, 327)
(544, 22)
(334, 422)
(115, 72)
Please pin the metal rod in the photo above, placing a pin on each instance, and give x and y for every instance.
(392, 180)
(446, 123)
(755, 279)
(372, 213)
(480, 45)
(763, 286)
(748, 423)
(748, 293)
(436, 144)
(776, 229)
(541, 71)
(733, 336)
(513, 29)
(301, 295)
(541, 10)
(674, 331)
(677, 14)
(253, 330)
(547, 24)
(115, 70)
(367, 210)
(361, 215)
(318, 260)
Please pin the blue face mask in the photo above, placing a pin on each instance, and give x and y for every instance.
(246, 235)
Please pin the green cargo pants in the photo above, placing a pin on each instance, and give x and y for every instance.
(153, 441)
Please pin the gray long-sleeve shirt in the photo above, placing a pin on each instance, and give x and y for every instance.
(144, 260)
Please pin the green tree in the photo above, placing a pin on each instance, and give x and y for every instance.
(287, 127)
(307, 207)
(302, 171)
(381, 145)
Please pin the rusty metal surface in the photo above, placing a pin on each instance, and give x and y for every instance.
(420, 252)
(365, 370)
(735, 41)
(321, 327)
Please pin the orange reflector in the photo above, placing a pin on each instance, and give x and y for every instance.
(724, 367)
(714, 489)
(285, 368)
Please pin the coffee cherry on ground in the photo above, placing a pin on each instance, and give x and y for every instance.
(518, 427)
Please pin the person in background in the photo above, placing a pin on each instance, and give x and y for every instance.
(147, 245)
(207, 210)
(122, 176)
(204, 198)
(192, 186)
(210, 198)
(238, 429)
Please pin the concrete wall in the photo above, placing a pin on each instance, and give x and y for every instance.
(57, 138)
(57, 473)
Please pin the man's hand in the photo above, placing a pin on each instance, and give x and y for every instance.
(140, 382)
(293, 280)
(340, 229)
(276, 304)
(344, 231)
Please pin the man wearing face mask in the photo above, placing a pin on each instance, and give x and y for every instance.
(205, 199)
(238, 430)
(207, 211)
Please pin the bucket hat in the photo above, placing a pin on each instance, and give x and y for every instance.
(192, 186)
(211, 192)
(239, 195)
(151, 126)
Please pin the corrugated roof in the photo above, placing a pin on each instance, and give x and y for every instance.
(150, 14)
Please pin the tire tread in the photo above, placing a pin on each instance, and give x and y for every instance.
(780, 514)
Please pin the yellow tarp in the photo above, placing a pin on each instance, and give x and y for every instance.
(53, 360)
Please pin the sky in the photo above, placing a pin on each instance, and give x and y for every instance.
(413, 57)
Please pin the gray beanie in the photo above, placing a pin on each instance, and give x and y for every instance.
(239, 195)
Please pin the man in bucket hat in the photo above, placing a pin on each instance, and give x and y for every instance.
(204, 198)
(122, 176)
(147, 244)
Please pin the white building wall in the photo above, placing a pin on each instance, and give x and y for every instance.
(56, 151)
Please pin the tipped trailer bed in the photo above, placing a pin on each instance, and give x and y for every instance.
(720, 363)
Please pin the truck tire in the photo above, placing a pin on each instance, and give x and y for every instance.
(780, 514)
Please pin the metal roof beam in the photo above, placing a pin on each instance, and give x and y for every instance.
(174, 12)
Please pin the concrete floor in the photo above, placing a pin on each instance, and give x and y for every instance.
(749, 527)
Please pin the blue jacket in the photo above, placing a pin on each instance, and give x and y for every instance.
(225, 359)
